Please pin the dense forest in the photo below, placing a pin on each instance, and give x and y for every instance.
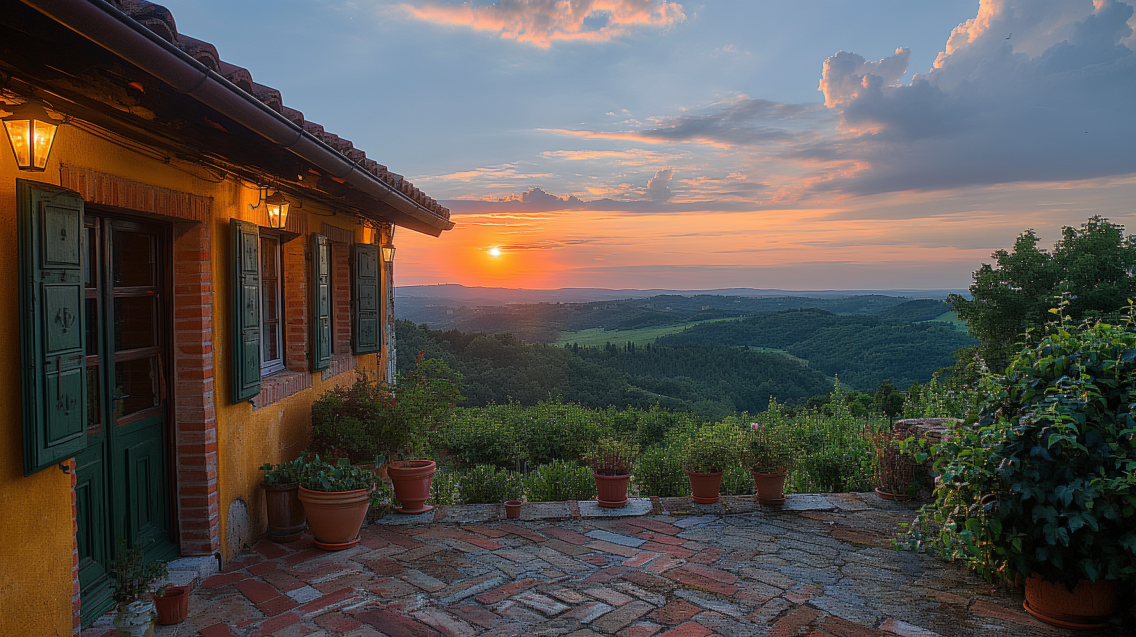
(709, 381)
(864, 350)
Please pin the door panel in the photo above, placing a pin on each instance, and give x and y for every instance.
(93, 522)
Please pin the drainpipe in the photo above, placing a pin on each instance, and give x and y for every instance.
(106, 26)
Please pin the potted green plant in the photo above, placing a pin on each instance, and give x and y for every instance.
(281, 484)
(1041, 488)
(708, 453)
(336, 498)
(131, 576)
(611, 461)
(423, 399)
(769, 454)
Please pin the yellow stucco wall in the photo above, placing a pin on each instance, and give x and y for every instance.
(36, 536)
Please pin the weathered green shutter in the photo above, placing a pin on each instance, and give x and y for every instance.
(245, 330)
(321, 302)
(52, 324)
(365, 301)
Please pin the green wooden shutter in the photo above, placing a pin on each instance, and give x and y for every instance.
(321, 302)
(245, 299)
(365, 300)
(52, 324)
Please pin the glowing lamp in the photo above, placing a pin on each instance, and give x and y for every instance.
(388, 252)
(31, 132)
(277, 210)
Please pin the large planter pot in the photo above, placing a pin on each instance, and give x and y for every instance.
(411, 480)
(704, 487)
(611, 491)
(136, 619)
(335, 517)
(173, 607)
(1088, 607)
(769, 488)
(286, 518)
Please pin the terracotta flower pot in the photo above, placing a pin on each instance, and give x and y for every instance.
(286, 518)
(611, 491)
(1089, 605)
(513, 509)
(411, 480)
(769, 488)
(335, 517)
(704, 487)
(173, 607)
(898, 497)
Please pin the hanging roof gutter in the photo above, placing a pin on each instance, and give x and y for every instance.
(109, 28)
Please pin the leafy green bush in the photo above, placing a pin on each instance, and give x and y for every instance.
(348, 421)
(478, 436)
(736, 481)
(770, 447)
(444, 488)
(611, 457)
(659, 473)
(712, 448)
(1045, 480)
(319, 475)
(485, 484)
(560, 480)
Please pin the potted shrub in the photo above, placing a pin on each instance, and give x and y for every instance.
(281, 483)
(423, 399)
(171, 603)
(706, 455)
(131, 576)
(769, 455)
(336, 498)
(611, 461)
(1045, 477)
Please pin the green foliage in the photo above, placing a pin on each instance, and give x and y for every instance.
(1044, 482)
(131, 573)
(736, 481)
(560, 480)
(444, 488)
(319, 475)
(770, 447)
(284, 473)
(712, 448)
(659, 473)
(485, 484)
(1093, 267)
(611, 457)
(937, 399)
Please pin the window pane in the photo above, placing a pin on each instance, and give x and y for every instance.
(271, 342)
(136, 386)
(134, 320)
(94, 412)
(133, 259)
(268, 248)
(92, 327)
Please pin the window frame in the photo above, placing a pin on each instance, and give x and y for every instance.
(275, 365)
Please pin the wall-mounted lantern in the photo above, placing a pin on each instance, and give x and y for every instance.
(386, 235)
(388, 252)
(31, 132)
(277, 210)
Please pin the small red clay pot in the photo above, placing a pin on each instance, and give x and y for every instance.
(704, 487)
(411, 480)
(513, 509)
(335, 517)
(769, 488)
(1088, 607)
(173, 607)
(611, 491)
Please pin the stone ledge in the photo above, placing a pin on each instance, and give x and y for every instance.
(281, 385)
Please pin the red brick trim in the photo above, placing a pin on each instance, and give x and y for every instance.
(295, 260)
(341, 298)
(278, 386)
(195, 420)
(339, 363)
(337, 234)
(109, 190)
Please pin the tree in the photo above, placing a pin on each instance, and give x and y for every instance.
(1091, 267)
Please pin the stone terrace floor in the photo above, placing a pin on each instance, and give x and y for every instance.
(820, 566)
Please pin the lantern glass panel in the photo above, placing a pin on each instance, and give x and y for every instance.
(44, 136)
(19, 134)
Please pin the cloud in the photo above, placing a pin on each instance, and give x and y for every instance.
(659, 186)
(1024, 92)
(542, 22)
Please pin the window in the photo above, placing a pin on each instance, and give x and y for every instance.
(271, 299)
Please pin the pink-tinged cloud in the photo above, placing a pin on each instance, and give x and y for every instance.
(542, 22)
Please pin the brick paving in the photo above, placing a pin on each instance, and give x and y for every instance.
(822, 567)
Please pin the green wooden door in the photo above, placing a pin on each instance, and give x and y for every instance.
(123, 476)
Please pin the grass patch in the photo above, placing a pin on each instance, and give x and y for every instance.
(598, 337)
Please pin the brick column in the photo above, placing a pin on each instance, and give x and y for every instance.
(195, 421)
(341, 297)
(294, 257)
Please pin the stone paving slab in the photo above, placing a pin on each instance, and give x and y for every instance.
(634, 506)
(822, 567)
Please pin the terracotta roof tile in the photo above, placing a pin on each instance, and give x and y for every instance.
(159, 20)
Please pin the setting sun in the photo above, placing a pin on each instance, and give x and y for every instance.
(494, 252)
